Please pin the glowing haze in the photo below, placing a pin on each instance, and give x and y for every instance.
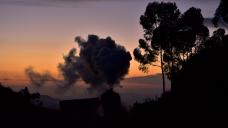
(38, 33)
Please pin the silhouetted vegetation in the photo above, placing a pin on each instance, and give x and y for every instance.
(195, 63)
(16, 101)
(172, 36)
(200, 92)
(17, 107)
(221, 13)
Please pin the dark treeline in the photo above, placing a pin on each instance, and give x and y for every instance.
(200, 92)
(170, 37)
(195, 62)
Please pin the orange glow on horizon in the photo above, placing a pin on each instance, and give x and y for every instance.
(44, 54)
(41, 63)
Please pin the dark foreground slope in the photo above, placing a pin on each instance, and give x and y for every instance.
(200, 93)
(17, 110)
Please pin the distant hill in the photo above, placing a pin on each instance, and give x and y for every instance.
(134, 89)
(149, 79)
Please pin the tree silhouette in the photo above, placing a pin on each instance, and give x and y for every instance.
(218, 39)
(158, 21)
(172, 36)
(200, 89)
(192, 31)
(221, 13)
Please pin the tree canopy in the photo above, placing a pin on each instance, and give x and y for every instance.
(169, 35)
(221, 13)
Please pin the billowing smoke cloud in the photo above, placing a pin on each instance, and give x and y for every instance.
(38, 79)
(101, 62)
(68, 69)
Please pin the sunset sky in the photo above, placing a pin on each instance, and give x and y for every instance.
(38, 32)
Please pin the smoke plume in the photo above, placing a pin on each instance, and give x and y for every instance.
(36, 78)
(68, 69)
(101, 63)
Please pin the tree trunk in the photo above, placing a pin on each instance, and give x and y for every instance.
(163, 75)
(171, 75)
